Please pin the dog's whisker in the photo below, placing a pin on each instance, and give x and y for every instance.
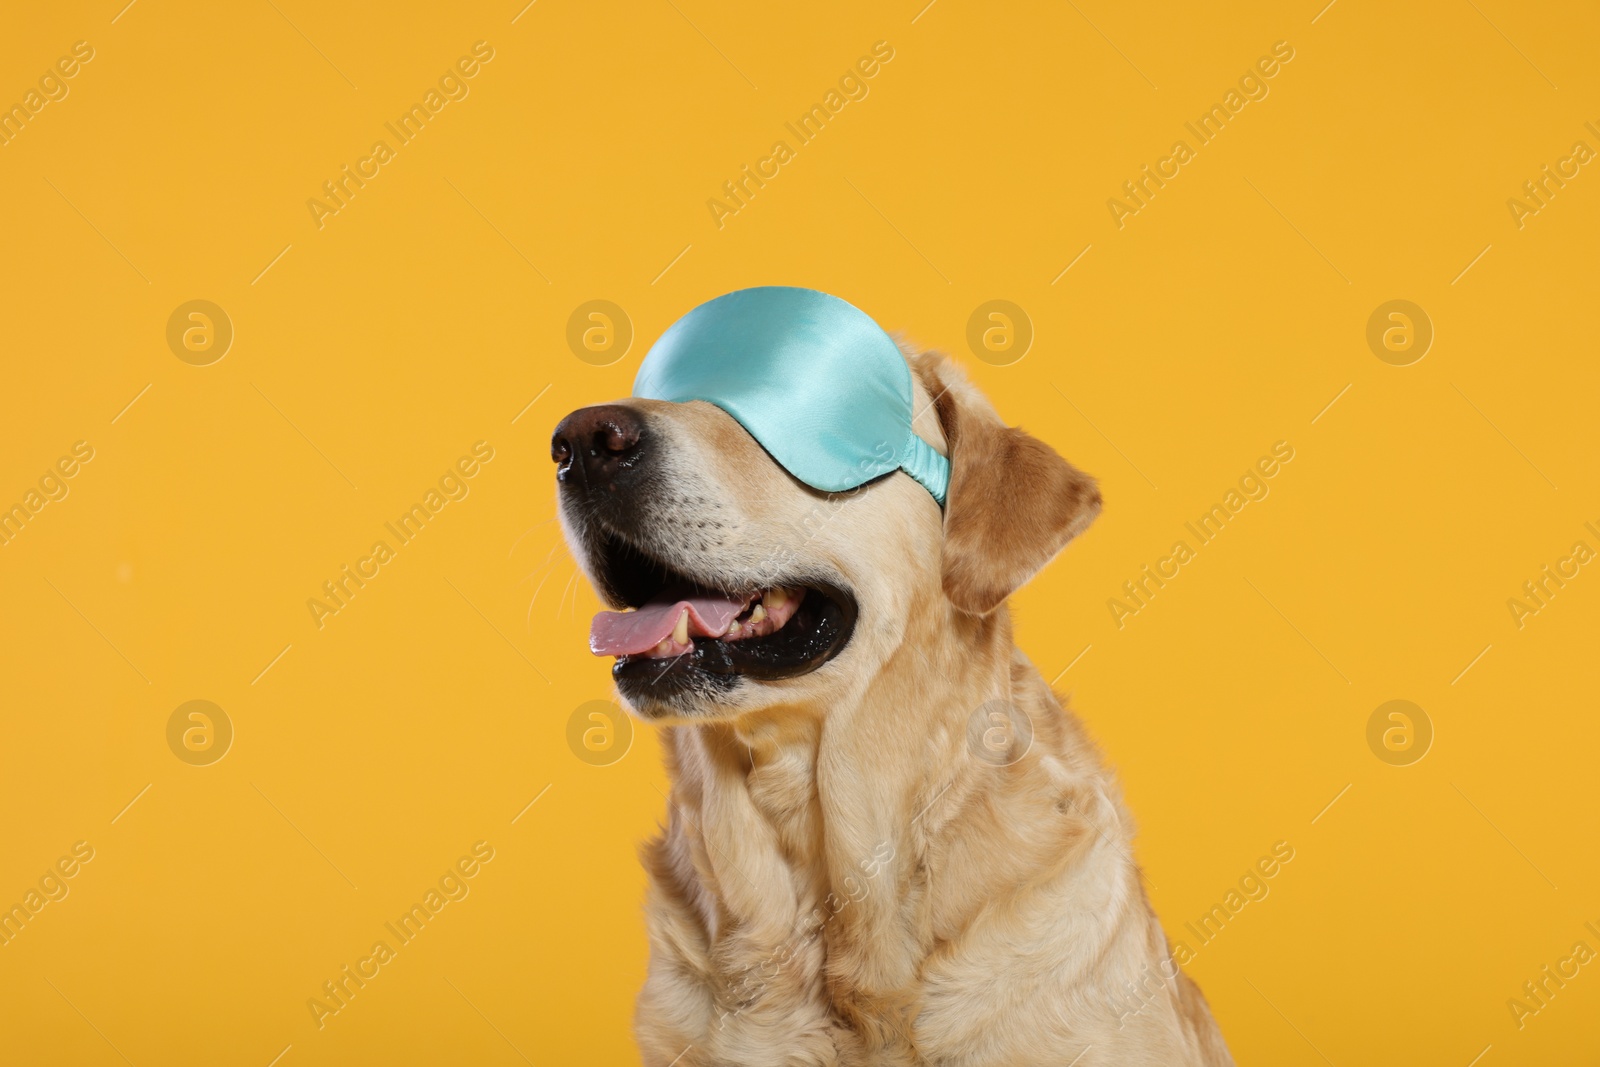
(523, 536)
(535, 598)
(545, 566)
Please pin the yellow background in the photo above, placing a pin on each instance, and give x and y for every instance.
(427, 314)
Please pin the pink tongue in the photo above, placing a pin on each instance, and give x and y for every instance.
(626, 633)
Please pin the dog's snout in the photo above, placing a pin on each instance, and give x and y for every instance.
(594, 444)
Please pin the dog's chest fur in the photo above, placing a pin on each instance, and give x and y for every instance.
(844, 917)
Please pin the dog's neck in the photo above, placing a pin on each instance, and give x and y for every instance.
(813, 823)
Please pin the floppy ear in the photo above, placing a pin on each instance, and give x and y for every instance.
(1012, 502)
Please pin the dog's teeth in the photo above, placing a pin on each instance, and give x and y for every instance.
(680, 632)
(733, 629)
(664, 648)
(775, 598)
(758, 614)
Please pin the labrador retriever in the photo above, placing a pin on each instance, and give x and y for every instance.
(888, 842)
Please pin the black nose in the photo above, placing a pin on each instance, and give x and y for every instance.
(599, 443)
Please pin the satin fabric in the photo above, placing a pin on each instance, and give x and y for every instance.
(812, 378)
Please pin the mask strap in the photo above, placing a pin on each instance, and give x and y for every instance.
(930, 469)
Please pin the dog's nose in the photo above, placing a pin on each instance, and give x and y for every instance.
(598, 442)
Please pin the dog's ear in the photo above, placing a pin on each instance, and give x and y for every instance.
(1013, 503)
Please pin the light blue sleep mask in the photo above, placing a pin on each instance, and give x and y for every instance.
(819, 384)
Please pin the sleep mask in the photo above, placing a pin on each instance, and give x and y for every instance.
(812, 378)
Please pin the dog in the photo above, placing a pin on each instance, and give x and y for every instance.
(888, 842)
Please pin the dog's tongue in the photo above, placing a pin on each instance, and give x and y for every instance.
(626, 633)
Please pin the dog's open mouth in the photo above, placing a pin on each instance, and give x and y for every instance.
(677, 627)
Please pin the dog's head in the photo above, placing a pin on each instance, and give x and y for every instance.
(738, 588)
